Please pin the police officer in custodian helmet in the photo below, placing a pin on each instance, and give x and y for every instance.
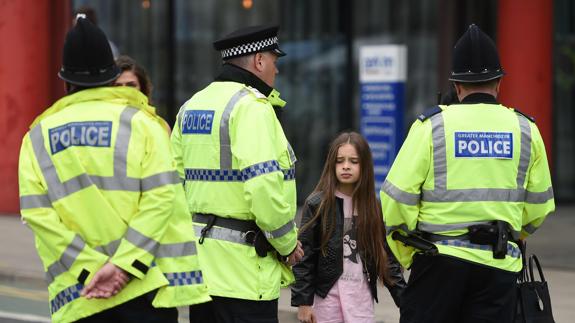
(111, 224)
(471, 179)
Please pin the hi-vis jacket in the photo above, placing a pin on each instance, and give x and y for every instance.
(98, 183)
(467, 164)
(237, 163)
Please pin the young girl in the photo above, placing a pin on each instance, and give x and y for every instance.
(343, 239)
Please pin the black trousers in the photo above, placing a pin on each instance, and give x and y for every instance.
(138, 310)
(444, 289)
(234, 310)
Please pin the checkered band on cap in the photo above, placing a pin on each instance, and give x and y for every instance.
(253, 47)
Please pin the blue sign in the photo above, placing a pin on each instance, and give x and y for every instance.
(484, 145)
(89, 133)
(382, 123)
(382, 95)
(197, 122)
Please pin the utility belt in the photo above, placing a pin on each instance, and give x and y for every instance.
(249, 232)
(495, 234)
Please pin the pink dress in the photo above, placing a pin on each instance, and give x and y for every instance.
(349, 300)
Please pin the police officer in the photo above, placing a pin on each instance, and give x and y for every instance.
(471, 178)
(239, 173)
(110, 222)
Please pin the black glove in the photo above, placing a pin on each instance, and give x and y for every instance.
(398, 283)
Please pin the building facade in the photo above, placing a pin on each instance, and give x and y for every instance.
(319, 76)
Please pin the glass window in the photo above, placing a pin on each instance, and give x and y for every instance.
(319, 76)
(564, 101)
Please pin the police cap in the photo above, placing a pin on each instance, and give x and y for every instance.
(475, 58)
(248, 41)
(87, 59)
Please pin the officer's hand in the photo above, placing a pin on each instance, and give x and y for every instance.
(107, 282)
(305, 314)
(296, 255)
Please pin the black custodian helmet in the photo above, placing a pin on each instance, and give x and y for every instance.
(87, 58)
(475, 58)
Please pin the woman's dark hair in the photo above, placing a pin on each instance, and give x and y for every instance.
(370, 228)
(126, 63)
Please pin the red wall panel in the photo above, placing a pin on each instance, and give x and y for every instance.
(32, 35)
(524, 39)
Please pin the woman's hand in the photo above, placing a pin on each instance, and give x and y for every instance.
(305, 314)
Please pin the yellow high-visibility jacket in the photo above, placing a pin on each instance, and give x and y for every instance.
(237, 163)
(98, 184)
(468, 164)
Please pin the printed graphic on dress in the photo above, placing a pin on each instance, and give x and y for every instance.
(350, 241)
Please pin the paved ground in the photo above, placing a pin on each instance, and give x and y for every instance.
(23, 296)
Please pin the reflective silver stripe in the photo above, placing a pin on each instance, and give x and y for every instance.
(281, 231)
(58, 190)
(399, 195)
(539, 197)
(439, 152)
(167, 250)
(110, 248)
(66, 259)
(530, 228)
(224, 234)
(475, 195)
(391, 228)
(122, 142)
(173, 250)
(525, 150)
(180, 113)
(142, 241)
(75, 184)
(441, 194)
(435, 228)
(292, 157)
(161, 179)
(115, 183)
(34, 201)
(55, 187)
(512, 251)
(225, 148)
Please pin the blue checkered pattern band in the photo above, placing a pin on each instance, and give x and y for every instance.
(185, 278)
(235, 175)
(213, 175)
(64, 297)
(511, 250)
(289, 174)
(249, 48)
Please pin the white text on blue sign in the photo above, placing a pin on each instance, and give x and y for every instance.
(89, 133)
(197, 122)
(484, 145)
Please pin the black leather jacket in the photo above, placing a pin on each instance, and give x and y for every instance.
(316, 273)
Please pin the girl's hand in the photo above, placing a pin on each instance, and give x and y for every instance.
(305, 314)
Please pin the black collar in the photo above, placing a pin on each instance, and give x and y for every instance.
(235, 73)
(479, 98)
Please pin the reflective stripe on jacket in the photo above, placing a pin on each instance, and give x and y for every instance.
(98, 183)
(237, 163)
(469, 164)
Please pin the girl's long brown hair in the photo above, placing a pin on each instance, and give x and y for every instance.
(369, 225)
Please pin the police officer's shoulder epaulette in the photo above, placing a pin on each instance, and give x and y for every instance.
(257, 93)
(525, 115)
(429, 113)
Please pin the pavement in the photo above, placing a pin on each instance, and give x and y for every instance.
(22, 286)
